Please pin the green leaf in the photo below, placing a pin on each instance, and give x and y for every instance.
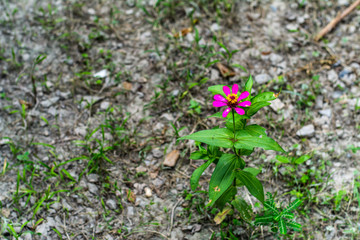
(248, 86)
(218, 137)
(239, 122)
(263, 97)
(253, 185)
(255, 107)
(217, 89)
(243, 140)
(244, 209)
(256, 130)
(282, 226)
(292, 206)
(294, 225)
(288, 215)
(225, 198)
(217, 115)
(194, 180)
(239, 66)
(198, 155)
(222, 177)
(253, 171)
(282, 159)
(302, 159)
(271, 206)
(264, 219)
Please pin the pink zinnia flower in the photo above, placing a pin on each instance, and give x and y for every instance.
(232, 100)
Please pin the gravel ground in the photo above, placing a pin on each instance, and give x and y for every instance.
(90, 152)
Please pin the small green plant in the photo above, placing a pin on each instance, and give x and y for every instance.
(231, 171)
(279, 219)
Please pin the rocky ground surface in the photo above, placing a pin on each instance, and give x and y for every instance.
(90, 152)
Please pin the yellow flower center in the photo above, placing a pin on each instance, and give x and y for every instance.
(232, 98)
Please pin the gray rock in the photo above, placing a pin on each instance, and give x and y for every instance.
(214, 75)
(156, 152)
(130, 211)
(336, 94)
(275, 58)
(27, 236)
(93, 177)
(43, 229)
(93, 188)
(104, 105)
(326, 112)
(262, 78)
(319, 102)
(81, 131)
(111, 204)
(306, 131)
(47, 103)
(175, 92)
(332, 76)
(177, 234)
(277, 105)
(292, 27)
(158, 182)
(56, 206)
(168, 117)
(131, 3)
(66, 205)
(215, 27)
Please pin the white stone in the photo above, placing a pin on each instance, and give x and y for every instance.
(326, 112)
(148, 192)
(277, 105)
(306, 131)
(262, 78)
(102, 74)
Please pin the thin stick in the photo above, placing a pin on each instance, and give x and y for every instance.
(335, 21)
(173, 213)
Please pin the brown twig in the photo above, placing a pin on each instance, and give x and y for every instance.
(335, 21)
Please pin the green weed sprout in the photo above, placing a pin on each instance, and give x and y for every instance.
(231, 171)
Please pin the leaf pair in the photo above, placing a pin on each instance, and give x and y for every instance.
(279, 219)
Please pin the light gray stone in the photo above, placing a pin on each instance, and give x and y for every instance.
(93, 188)
(215, 27)
(104, 105)
(326, 112)
(111, 204)
(306, 131)
(47, 103)
(332, 76)
(277, 105)
(130, 211)
(156, 152)
(93, 177)
(262, 78)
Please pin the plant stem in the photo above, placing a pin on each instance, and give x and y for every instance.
(233, 114)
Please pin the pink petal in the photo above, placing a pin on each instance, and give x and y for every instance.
(235, 89)
(226, 90)
(243, 95)
(245, 104)
(226, 112)
(240, 111)
(218, 97)
(219, 104)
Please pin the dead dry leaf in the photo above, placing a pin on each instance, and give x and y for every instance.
(222, 215)
(131, 197)
(127, 86)
(183, 32)
(225, 70)
(23, 102)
